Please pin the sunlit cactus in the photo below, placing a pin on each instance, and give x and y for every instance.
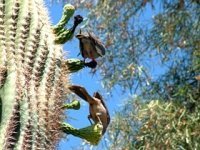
(33, 80)
(62, 33)
(74, 65)
(92, 134)
(73, 105)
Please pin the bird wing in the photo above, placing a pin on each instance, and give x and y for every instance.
(100, 50)
(80, 43)
(98, 44)
(82, 93)
(81, 48)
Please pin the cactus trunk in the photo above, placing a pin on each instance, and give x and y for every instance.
(32, 82)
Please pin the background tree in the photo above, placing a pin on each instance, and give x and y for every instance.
(153, 51)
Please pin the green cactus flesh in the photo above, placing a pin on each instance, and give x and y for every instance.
(68, 12)
(73, 105)
(62, 34)
(74, 65)
(32, 83)
(91, 133)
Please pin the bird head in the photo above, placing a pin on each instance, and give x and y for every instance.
(97, 95)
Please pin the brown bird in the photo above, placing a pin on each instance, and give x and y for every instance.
(90, 46)
(97, 108)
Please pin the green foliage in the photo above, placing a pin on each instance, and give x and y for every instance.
(155, 125)
(168, 125)
(172, 122)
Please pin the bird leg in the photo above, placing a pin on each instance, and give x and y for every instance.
(97, 115)
(89, 117)
(93, 59)
(92, 56)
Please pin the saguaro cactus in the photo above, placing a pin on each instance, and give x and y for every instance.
(32, 79)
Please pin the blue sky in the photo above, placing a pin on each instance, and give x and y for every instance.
(91, 82)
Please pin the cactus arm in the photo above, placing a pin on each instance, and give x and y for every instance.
(74, 65)
(73, 105)
(62, 34)
(68, 12)
(92, 133)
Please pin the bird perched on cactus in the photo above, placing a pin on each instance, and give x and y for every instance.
(98, 110)
(92, 133)
(63, 34)
(90, 46)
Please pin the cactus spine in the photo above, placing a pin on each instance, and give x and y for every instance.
(32, 82)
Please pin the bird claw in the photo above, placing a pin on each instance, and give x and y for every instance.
(97, 115)
(89, 117)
